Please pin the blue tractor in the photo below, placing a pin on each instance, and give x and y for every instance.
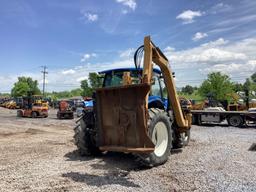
(137, 110)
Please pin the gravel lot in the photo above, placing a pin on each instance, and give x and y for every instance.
(38, 155)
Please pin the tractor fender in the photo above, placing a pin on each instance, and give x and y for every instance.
(156, 102)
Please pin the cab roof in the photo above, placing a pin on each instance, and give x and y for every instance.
(127, 69)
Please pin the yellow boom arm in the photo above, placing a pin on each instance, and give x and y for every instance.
(153, 54)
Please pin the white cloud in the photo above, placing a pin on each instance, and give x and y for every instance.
(220, 7)
(7, 82)
(57, 79)
(240, 20)
(42, 81)
(208, 53)
(67, 72)
(203, 55)
(79, 79)
(188, 16)
(169, 49)
(199, 35)
(233, 68)
(217, 43)
(90, 17)
(127, 53)
(87, 56)
(78, 67)
(236, 59)
(129, 3)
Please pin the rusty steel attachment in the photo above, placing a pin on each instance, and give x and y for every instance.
(122, 119)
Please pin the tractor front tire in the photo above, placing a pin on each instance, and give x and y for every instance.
(84, 140)
(160, 132)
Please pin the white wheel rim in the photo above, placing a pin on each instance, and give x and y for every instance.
(160, 138)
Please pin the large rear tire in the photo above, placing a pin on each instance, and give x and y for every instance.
(84, 140)
(160, 131)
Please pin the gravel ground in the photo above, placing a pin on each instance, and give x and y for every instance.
(39, 155)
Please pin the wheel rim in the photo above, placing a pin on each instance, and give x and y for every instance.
(160, 138)
(235, 121)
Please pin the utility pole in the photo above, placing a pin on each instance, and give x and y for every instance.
(44, 74)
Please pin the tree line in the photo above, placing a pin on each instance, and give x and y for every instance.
(218, 85)
(27, 84)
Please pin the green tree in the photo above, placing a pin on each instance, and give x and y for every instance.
(64, 94)
(195, 88)
(94, 80)
(23, 85)
(5, 94)
(253, 83)
(217, 85)
(86, 89)
(88, 86)
(238, 87)
(188, 89)
(247, 84)
(76, 92)
(253, 77)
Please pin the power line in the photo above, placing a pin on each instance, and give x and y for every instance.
(44, 74)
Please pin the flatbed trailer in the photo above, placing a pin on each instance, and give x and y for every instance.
(234, 118)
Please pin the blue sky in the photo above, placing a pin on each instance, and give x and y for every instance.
(73, 38)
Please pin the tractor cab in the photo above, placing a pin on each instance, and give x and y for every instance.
(158, 93)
